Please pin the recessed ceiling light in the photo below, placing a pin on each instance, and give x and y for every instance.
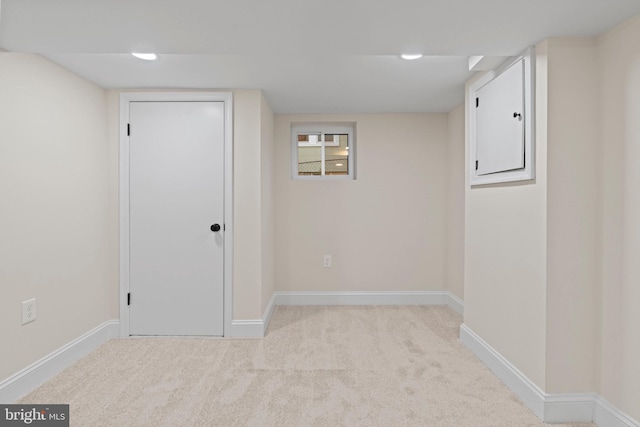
(145, 56)
(410, 57)
(339, 164)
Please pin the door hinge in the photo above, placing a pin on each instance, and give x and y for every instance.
(128, 129)
(129, 299)
(476, 165)
(477, 102)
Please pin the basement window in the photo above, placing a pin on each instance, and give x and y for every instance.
(322, 151)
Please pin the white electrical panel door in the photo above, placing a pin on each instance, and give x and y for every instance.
(500, 122)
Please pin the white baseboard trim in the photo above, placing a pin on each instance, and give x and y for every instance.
(366, 298)
(606, 415)
(268, 312)
(527, 391)
(551, 408)
(21, 383)
(254, 328)
(246, 329)
(568, 407)
(455, 303)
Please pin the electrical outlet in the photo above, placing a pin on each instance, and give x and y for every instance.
(28, 310)
(326, 262)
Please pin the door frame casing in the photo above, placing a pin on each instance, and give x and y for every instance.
(123, 197)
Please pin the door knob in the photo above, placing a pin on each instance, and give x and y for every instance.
(215, 228)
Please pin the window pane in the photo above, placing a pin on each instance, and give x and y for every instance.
(336, 154)
(309, 161)
(306, 140)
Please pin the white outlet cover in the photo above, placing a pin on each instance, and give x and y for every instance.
(327, 261)
(28, 310)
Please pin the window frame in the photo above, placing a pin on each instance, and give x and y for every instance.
(322, 128)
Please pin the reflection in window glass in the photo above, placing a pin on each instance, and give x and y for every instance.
(337, 156)
(323, 154)
(321, 150)
(309, 161)
(309, 140)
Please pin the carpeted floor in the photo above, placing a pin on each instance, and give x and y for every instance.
(317, 366)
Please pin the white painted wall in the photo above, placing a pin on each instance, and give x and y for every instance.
(619, 108)
(532, 249)
(572, 216)
(253, 272)
(247, 247)
(386, 230)
(550, 266)
(267, 201)
(54, 239)
(113, 204)
(505, 256)
(455, 202)
(563, 283)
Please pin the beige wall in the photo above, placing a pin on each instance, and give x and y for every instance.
(505, 256)
(619, 73)
(113, 205)
(54, 241)
(550, 266)
(455, 202)
(247, 247)
(583, 212)
(572, 217)
(386, 230)
(253, 271)
(532, 249)
(267, 197)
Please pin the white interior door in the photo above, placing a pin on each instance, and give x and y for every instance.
(176, 185)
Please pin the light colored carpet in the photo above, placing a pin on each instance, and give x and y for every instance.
(317, 366)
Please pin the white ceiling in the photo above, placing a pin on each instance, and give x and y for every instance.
(309, 56)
